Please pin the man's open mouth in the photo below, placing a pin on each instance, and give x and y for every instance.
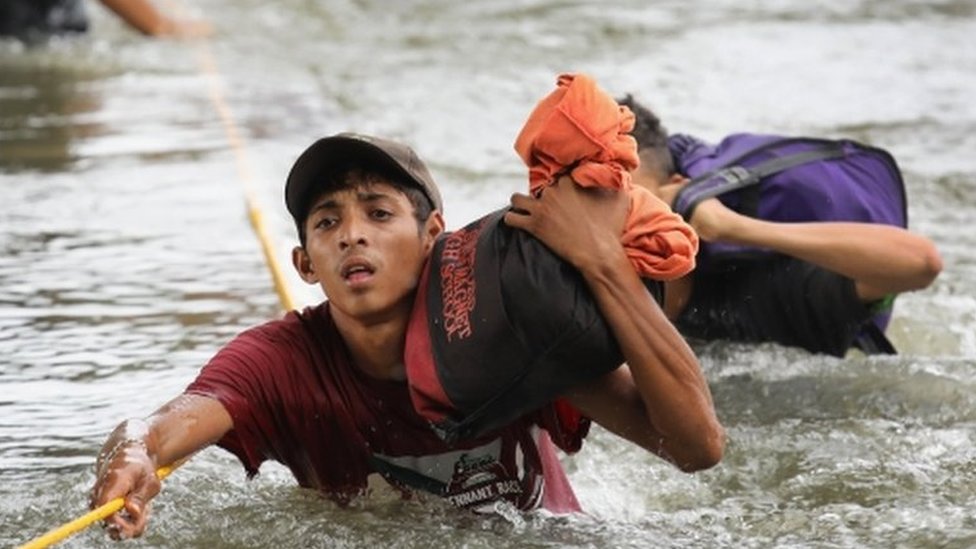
(357, 270)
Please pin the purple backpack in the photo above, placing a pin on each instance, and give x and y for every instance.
(791, 179)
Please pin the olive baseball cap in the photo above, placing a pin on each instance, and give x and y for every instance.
(330, 153)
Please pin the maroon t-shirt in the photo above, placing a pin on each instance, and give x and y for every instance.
(296, 398)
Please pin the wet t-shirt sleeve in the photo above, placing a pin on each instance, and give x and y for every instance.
(252, 377)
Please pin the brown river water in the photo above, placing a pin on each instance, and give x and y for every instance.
(126, 257)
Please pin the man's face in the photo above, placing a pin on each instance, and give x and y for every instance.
(665, 190)
(365, 249)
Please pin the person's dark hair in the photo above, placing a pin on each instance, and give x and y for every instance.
(652, 139)
(353, 176)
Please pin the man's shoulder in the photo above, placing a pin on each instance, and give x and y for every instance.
(298, 322)
(294, 331)
(265, 350)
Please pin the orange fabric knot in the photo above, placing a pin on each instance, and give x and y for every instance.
(580, 130)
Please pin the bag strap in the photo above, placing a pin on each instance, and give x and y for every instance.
(873, 341)
(409, 477)
(733, 176)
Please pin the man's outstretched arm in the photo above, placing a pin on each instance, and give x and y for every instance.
(660, 400)
(880, 259)
(128, 461)
(143, 16)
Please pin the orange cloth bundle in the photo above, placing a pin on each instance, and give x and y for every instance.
(579, 130)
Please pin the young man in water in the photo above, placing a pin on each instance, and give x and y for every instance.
(817, 291)
(323, 391)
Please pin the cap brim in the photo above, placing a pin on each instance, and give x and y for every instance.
(324, 157)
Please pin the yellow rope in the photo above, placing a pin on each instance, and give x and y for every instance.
(209, 68)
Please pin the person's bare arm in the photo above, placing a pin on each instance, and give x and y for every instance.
(143, 16)
(127, 464)
(880, 259)
(660, 400)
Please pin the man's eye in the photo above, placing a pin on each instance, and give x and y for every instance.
(324, 223)
(381, 214)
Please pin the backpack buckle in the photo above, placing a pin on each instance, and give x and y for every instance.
(736, 174)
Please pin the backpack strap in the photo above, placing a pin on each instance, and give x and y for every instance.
(733, 176)
(873, 341)
(409, 477)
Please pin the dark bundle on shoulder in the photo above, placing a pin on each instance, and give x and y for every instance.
(501, 326)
